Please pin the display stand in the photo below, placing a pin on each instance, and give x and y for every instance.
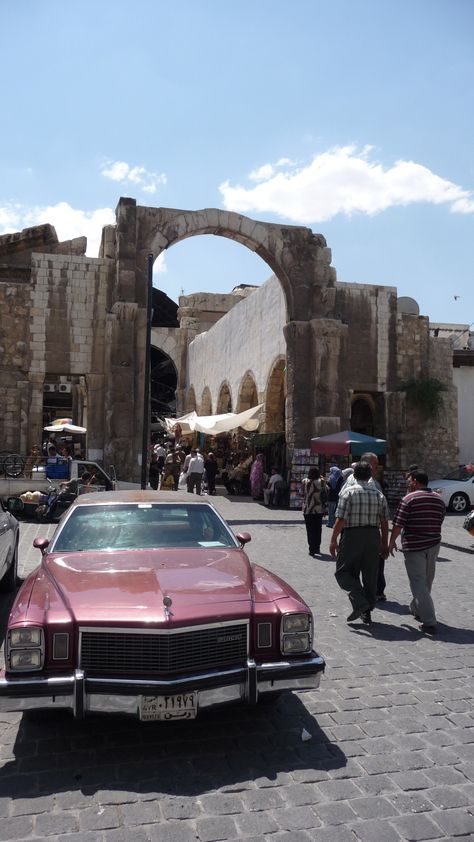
(301, 462)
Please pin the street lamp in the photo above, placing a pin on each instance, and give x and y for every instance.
(146, 385)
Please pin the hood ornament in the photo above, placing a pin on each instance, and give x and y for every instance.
(168, 602)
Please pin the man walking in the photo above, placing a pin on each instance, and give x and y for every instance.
(195, 472)
(362, 524)
(419, 518)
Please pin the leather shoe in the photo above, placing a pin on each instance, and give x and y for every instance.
(428, 629)
(366, 618)
(354, 615)
(381, 597)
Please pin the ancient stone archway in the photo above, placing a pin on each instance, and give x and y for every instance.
(275, 398)
(248, 395)
(206, 402)
(224, 401)
(299, 259)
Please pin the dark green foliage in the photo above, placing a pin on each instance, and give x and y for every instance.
(424, 394)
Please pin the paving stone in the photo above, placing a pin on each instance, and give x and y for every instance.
(411, 802)
(299, 795)
(446, 775)
(455, 822)
(218, 804)
(122, 834)
(62, 823)
(412, 780)
(416, 828)
(375, 830)
(445, 797)
(252, 824)
(378, 784)
(172, 832)
(18, 827)
(335, 813)
(99, 818)
(371, 808)
(338, 790)
(180, 808)
(264, 799)
(296, 818)
(336, 833)
(213, 829)
(144, 812)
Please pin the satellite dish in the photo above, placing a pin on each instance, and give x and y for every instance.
(408, 306)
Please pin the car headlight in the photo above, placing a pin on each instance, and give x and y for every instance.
(296, 634)
(25, 649)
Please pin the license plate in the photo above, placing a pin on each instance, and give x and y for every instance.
(181, 706)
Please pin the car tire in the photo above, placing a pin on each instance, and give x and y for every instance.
(10, 579)
(459, 503)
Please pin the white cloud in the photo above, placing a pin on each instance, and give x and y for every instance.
(126, 174)
(69, 223)
(342, 180)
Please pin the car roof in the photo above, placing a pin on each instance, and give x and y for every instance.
(101, 498)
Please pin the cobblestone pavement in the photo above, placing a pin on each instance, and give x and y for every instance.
(391, 754)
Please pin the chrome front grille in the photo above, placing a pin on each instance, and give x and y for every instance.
(136, 652)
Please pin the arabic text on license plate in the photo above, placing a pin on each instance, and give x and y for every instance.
(180, 706)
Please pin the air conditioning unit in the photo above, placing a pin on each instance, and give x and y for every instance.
(50, 387)
(65, 387)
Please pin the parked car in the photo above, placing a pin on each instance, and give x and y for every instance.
(456, 489)
(9, 537)
(145, 603)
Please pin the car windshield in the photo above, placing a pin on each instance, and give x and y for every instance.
(460, 474)
(139, 526)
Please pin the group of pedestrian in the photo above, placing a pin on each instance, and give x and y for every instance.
(361, 541)
(169, 469)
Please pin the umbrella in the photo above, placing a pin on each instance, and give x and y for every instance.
(64, 425)
(342, 444)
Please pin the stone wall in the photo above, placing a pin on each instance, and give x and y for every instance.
(249, 338)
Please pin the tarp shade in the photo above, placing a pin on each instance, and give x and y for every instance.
(347, 442)
(212, 425)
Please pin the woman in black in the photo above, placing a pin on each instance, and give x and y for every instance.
(313, 487)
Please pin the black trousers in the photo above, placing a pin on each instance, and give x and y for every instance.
(313, 524)
(358, 558)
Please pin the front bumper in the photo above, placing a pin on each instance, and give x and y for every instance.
(84, 694)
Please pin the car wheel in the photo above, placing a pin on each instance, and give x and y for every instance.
(459, 503)
(10, 579)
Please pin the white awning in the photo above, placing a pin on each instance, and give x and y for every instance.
(212, 425)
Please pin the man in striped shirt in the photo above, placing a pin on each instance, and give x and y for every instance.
(419, 518)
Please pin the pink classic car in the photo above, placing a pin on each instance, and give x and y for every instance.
(145, 603)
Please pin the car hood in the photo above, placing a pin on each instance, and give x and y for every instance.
(447, 483)
(130, 586)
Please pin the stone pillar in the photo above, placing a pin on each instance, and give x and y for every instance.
(122, 440)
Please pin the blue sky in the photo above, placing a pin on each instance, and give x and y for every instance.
(352, 118)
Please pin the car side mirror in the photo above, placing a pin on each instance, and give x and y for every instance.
(41, 544)
(243, 538)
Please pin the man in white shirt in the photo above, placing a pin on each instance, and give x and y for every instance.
(195, 472)
(269, 491)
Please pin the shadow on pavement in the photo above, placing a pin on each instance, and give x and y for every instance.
(54, 753)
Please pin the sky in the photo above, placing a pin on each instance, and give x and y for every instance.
(351, 117)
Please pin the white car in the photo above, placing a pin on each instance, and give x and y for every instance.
(456, 489)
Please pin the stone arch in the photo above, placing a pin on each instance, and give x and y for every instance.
(224, 401)
(299, 258)
(248, 394)
(275, 398)
(368, 413)
(191, 404)
(206, 401)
